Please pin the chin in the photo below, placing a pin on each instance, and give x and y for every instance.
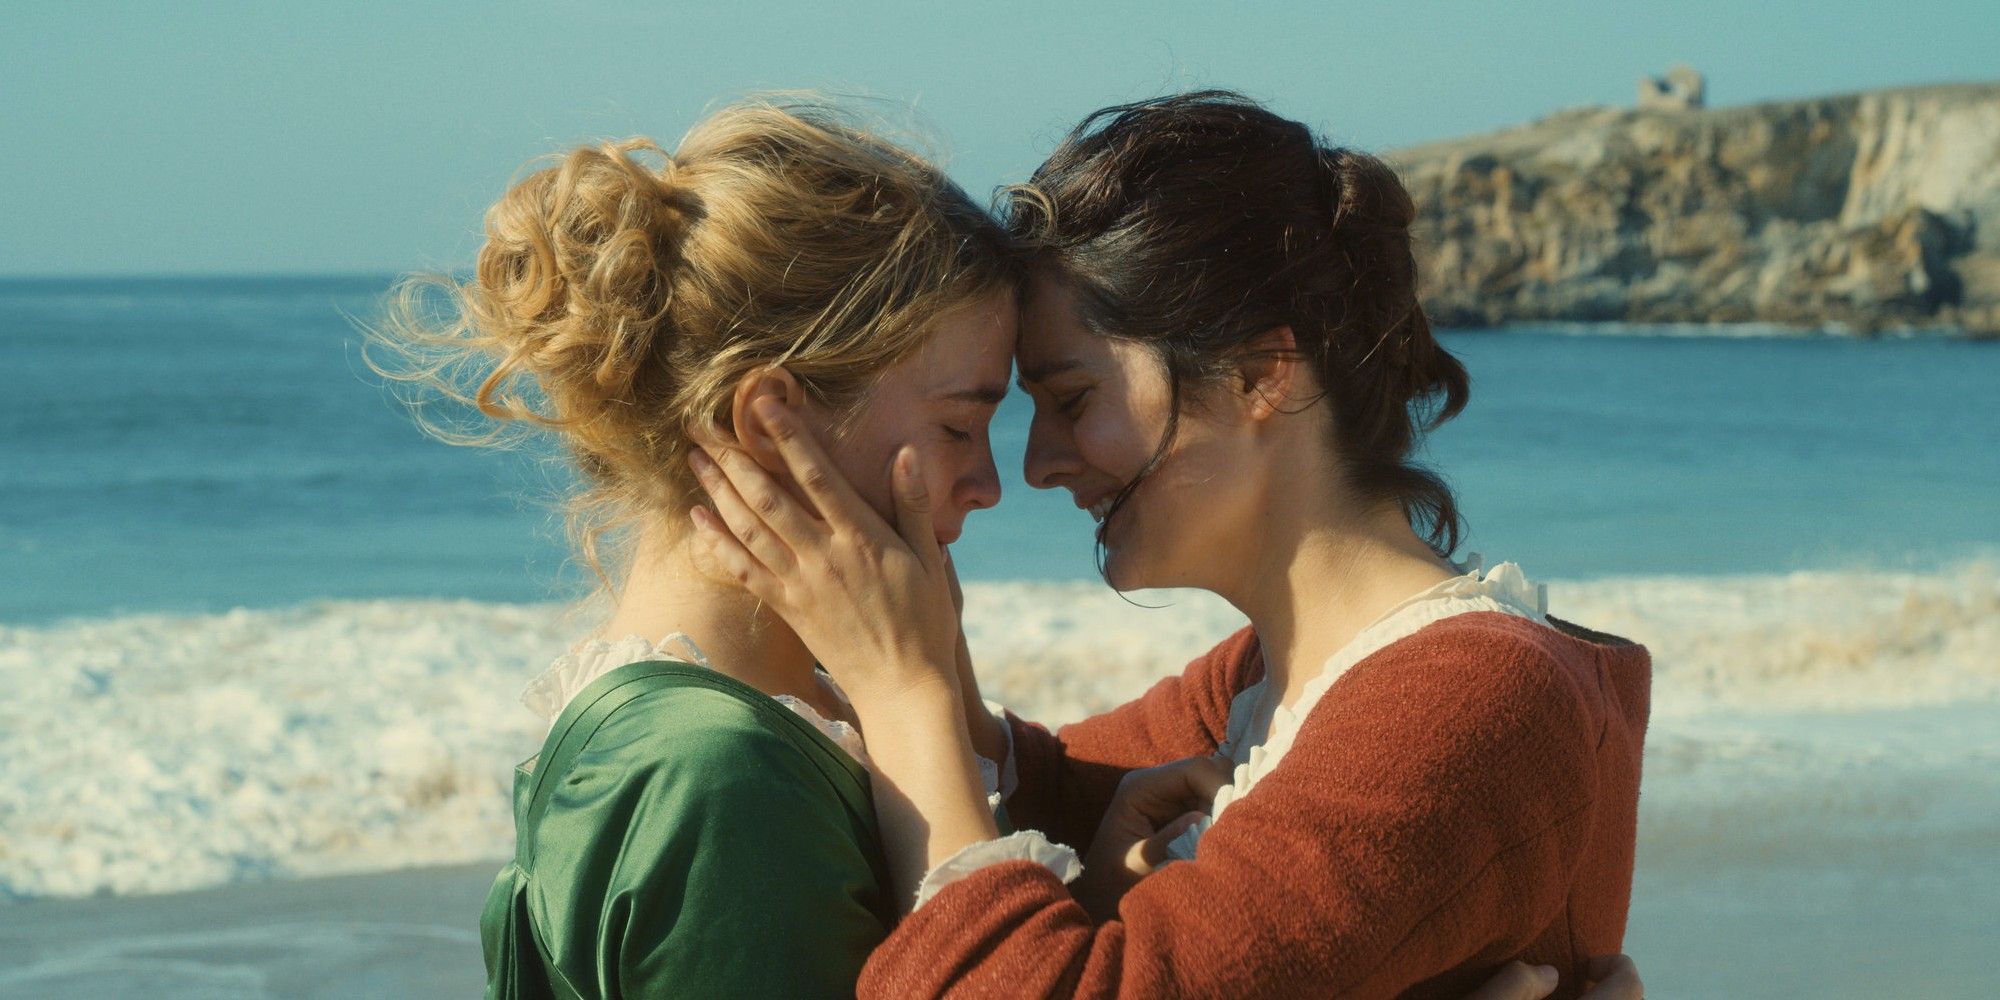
(1123, 572)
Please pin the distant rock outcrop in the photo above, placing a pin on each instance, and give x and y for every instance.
(1872, 211)
(1682, 89)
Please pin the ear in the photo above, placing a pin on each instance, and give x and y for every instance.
(1273, 374)
(773, 383)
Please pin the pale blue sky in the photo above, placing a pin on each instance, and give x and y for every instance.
(204, 138)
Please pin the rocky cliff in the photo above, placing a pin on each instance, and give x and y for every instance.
(1871, 211)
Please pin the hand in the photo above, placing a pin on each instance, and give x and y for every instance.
(988, 732)
(1517, 981)
(1150, 808)
(872, 602)
(957, 591)
(1615, 976)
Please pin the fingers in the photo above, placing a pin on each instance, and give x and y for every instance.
(752, 524)
(913, 509)
(767, 497)
(1517, 981)
(734, 559)
(1171, 789)
(951, 575)
(810, 467)
(1617, 978)
(1206, 775)
(1152, 852)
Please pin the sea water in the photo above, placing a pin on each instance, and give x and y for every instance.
(254, 624)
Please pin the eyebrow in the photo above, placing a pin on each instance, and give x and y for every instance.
(1047, 372)
(985, 395)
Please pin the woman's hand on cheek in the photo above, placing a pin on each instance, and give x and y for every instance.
(872, 602)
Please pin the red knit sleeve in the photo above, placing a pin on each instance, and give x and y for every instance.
(1066, 778)
(1425, 823)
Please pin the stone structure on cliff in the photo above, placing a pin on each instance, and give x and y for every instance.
(1871, 211)
(1682, 89)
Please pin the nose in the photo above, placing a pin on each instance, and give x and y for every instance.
(980, 487)
(1051, 457)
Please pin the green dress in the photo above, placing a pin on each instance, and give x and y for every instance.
(683, 834)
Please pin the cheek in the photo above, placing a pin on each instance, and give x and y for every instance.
(867, 470)
(949, 467)
(1115, 444)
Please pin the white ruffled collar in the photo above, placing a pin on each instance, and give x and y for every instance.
(551, 690)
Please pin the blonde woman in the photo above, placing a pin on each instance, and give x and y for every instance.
(700, 820)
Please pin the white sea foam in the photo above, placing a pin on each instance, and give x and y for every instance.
(149, 753)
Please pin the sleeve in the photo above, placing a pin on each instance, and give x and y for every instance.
(715, 860)
(1065, 779)
(1021, 845)
(1427, 820)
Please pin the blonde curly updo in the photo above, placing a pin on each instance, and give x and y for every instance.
(623, 292)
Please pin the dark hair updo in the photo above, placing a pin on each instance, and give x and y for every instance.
(1194, 223)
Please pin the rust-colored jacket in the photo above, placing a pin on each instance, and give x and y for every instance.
(1464, 796)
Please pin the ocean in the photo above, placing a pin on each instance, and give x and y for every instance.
(255, 626)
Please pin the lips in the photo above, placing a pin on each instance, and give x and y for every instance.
(1099, 506)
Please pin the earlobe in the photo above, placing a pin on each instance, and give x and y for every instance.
(773, 383)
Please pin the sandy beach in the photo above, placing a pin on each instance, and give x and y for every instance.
(1871, 927)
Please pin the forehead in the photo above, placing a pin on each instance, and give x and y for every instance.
(1053, 336)
(971, 348)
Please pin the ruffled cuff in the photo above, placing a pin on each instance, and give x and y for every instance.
(1026, 845)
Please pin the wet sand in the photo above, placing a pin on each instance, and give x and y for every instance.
(1714, 932)
(411, 933)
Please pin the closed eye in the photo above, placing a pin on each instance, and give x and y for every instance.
(1072, 404)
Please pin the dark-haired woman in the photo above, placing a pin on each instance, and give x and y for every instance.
(1417, 774)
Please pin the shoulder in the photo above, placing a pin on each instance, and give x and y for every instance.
(692, 768)
(697, 726)
(1210, 682)
(1479, 685)
(1228, 667)
(701, 746)
(1500, 655)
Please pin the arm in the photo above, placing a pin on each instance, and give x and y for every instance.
(1067, 778)
(990, 738)
(1392, 845)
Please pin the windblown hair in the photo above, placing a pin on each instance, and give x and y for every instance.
(1194, 223)
(623, 292)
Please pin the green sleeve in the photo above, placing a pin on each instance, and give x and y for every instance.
(694, 849)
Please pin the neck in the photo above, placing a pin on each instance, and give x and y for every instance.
(1320, 574)
(666, 591)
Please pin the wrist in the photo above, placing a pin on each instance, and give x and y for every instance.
(913, 688)
(914, 714)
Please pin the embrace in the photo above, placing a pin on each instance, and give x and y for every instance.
(773, 355)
